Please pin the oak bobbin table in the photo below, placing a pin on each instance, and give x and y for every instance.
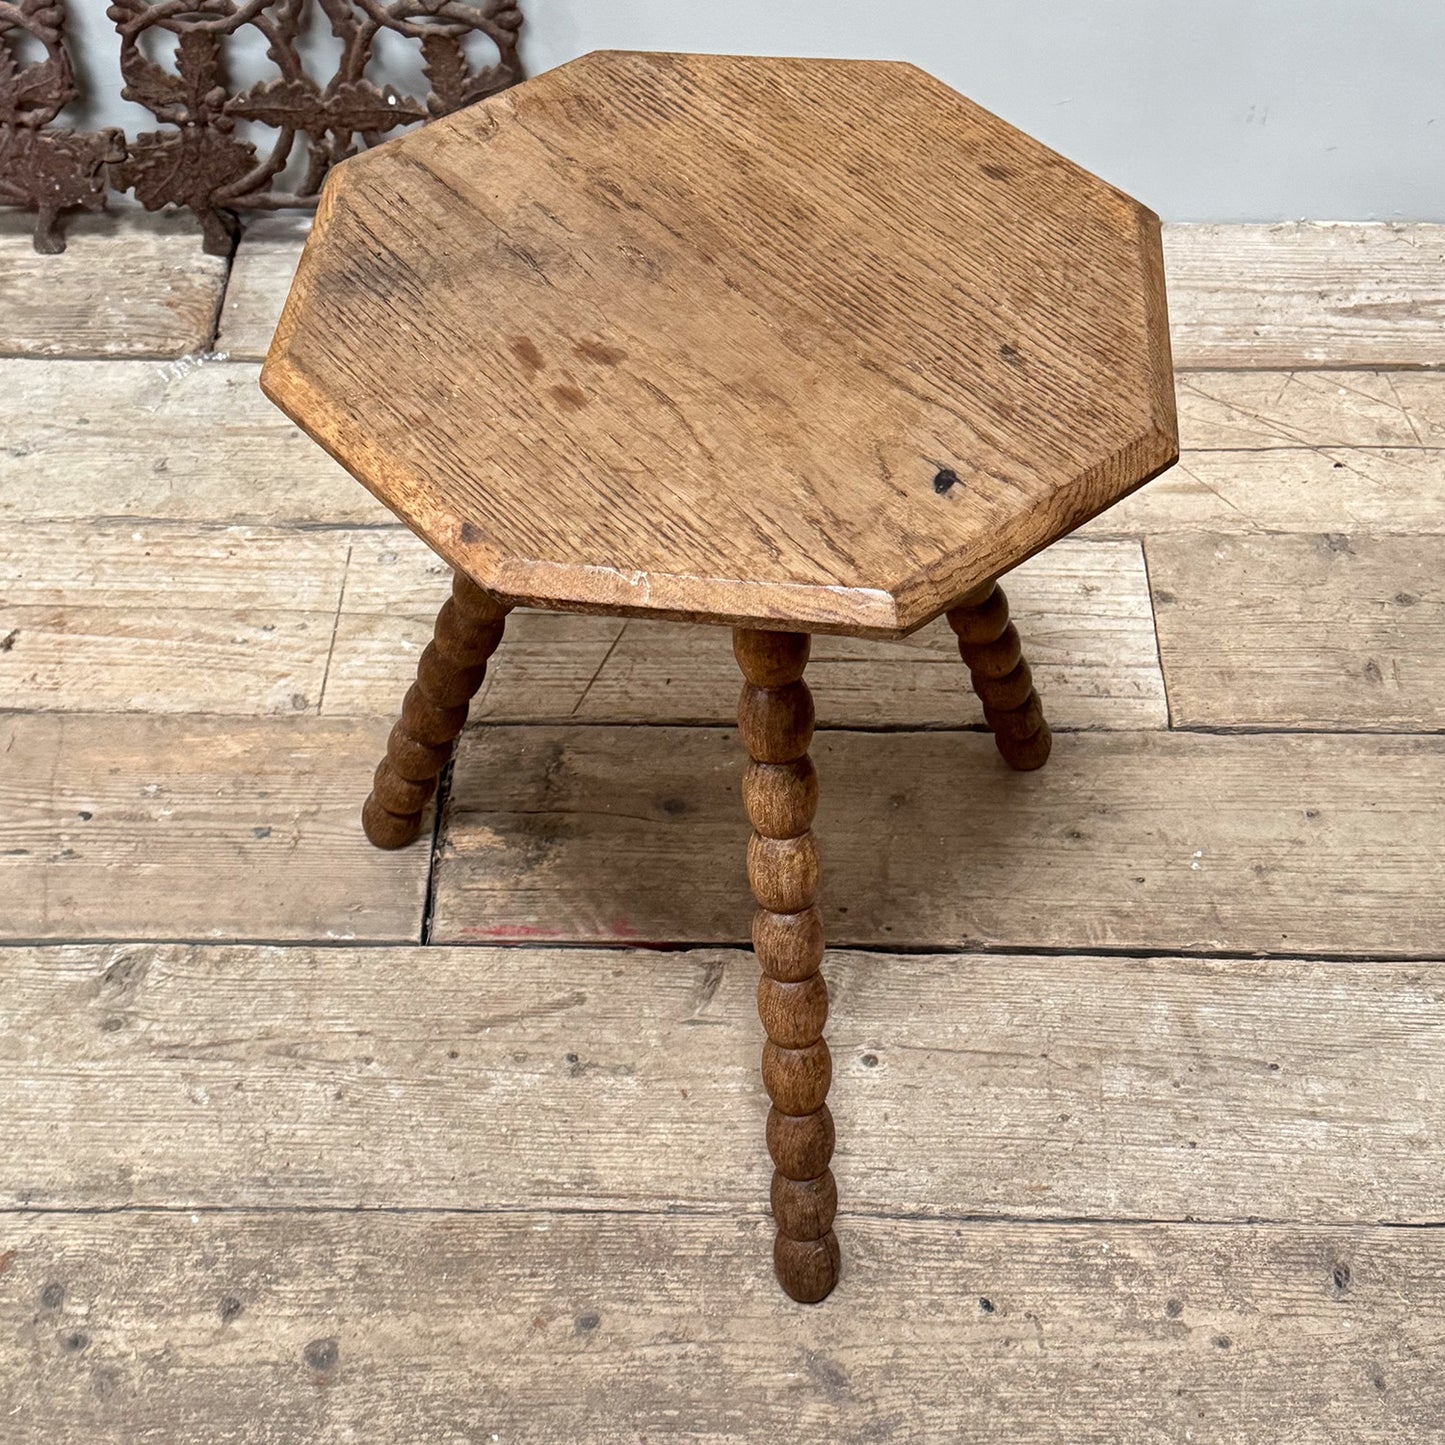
(789, 346)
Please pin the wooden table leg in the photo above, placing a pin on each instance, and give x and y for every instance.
(780, 790)
(468, 629)
(989, 643)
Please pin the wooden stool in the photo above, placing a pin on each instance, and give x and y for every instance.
(789, 346)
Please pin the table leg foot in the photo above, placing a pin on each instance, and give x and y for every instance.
(780, 791)
(989, 645)
(468, 629)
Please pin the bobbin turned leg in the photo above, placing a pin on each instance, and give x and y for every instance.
(780, 790)
(989, 643)
(468, 629)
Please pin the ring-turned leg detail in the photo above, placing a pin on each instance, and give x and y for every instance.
(468, 629)
(989, 644)
(780, 791)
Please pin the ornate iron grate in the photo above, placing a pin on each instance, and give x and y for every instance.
(223, 148)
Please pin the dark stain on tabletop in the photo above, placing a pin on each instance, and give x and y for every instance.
(571, 397)
(525, 350)
(600, 352)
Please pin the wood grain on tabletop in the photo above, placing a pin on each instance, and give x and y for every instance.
(652, 370)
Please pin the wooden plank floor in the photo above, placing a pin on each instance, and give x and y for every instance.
(1139, 1085)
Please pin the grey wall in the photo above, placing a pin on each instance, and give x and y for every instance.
(1207, 109)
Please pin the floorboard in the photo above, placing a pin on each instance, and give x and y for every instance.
(148, 617)
(194, 1328)
(139, 441)
(1160, 841)
(1324, 631)
(1385, 491)
(1306, 293)
(1244, 410)
(143, 1076)
(125, 286)
(260, 278)
(183, 618)
(132, 826)
(144, 441)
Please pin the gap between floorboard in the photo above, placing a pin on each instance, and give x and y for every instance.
(1095, 951)
(724, 1210)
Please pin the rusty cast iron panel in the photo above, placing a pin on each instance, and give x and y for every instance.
(224, 147)
(201, 159)
(44, 169)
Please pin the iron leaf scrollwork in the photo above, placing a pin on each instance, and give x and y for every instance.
(45, 170)
(204, 162)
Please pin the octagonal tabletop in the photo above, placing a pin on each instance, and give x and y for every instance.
(801, 343)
